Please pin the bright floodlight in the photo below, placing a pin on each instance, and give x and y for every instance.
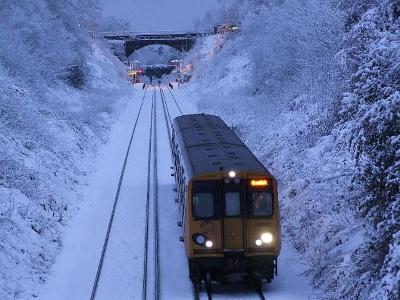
(258, 242)
(232, 174)
(267, 237)
(209, 244)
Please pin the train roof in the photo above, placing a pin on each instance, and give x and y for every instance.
(211, 145)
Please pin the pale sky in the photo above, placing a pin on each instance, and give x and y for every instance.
(158, 15)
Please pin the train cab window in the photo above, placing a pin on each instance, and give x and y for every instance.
(262, 203)
(232, 204)
(203, 205)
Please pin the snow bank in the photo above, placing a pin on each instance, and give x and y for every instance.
(311, 88)
(59, 93)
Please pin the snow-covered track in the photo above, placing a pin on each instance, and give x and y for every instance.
(204, 291)
(107, 237)
(152, 186)
(148, 280)
(155, 208)
(260, 293)
(167, 116)
(176, 102)
(196, 292)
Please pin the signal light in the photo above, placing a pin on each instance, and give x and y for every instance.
(259, 182)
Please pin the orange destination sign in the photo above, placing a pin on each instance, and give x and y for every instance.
(259, 182)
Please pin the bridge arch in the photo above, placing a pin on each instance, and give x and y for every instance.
(181, 45)
(182, 41)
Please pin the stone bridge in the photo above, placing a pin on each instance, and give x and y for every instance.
(182, 41)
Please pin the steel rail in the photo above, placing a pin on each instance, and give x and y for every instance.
(169, 128)
(155, 206)
(196, 292)
(176, 103)
(260, 293)
(110, 222)
(262, 297)
(146, 232)
(167, 117)
(168, 122)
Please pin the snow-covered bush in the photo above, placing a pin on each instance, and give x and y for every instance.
(42, 40)
(58, 92)
(312, 87)
(370, 114)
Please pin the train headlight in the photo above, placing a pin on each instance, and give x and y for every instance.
(209, 244)
(232, 174)
(267, 237)
(200, 239)
(258, 242)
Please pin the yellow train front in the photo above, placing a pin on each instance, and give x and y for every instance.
(228, 203)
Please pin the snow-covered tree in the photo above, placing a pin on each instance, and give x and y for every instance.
(370, 114)
(313, 88)
(57, 94)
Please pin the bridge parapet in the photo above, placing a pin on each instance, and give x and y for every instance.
(182, 41)
(130, 35)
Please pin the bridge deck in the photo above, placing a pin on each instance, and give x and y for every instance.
(166, 35)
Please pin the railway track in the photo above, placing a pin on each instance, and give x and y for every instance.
(115, 203)
(167, 114)
(147, 216)
(150, 283)
(208, 292)
(155, 205)
(196, 288)
(176, 102)
(151, 266)
(150, 279)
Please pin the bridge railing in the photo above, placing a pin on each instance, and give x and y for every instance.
(150, 34)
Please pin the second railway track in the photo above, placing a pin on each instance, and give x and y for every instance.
(103, 288)
(152, 249)
(115, 203)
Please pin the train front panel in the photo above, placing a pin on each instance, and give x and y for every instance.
(232, 225)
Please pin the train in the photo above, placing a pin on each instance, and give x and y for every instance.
(228, 203)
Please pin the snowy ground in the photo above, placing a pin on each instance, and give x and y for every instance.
(75, 267)
(74, 272)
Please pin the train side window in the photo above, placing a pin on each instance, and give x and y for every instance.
(203, 205)
(262, 203)
(232, 204)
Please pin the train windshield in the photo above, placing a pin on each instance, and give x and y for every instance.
(204, 199)
(203, 205)
(232, 204)
(262, 203)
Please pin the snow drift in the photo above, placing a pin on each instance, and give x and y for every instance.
(313, 88)
(59, 91)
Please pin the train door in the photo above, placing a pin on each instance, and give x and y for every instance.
(233, 217)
